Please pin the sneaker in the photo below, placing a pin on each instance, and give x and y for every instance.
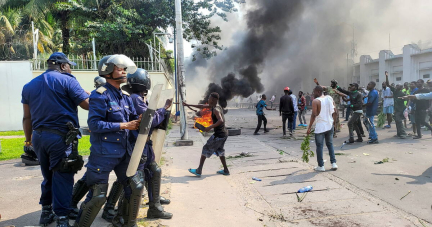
(320, 169)
(417, 137)
(300, 125)
(373, 141)
(396, 135)
(305, 125)
(350, 141)
(63, 221)
(256, 134)
(265, 130)
(359, 140)
(334, 166)
(402, 137)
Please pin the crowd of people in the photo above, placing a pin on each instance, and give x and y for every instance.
(401, 103)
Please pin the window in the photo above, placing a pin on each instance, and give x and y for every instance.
(426, 76)
(377, 80)
(398, 78)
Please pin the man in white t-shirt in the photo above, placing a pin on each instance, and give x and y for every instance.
(322, 112)
(388, 102)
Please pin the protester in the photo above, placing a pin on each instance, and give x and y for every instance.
(272, 100)
(420, 109)
(322, 111)
(388, 102)
(356, 100)
(215, 144)
(371, 110)
(336, 98)
(294, 99)
(302, 109)
(260, 113)
(411, 106)
(406, 91)
(398, 108)
(348, 108)
(286, 110)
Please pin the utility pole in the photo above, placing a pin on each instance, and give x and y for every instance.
(184, 141)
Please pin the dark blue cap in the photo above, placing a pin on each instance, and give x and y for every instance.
(59, 57)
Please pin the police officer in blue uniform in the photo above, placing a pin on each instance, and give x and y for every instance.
(111, 117)
(50, 103)
(138, 84)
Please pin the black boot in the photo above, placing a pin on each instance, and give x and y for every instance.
(155, 208)
(164, 201)
(128, 207)
(89, 210)
(114, 195)
(80, 189)
(63, 221)
(47, 216)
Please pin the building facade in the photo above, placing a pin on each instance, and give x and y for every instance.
(411, 65)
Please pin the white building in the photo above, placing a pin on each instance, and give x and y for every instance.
(411, 65)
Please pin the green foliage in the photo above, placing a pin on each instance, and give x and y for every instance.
(305, 147)
(14, 148)
(119, 26)
(12, 133)
(381, 120)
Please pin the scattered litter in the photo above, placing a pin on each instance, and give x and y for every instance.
(405, 195)
(352, 162)
(385, 160)
(340, 154)
(244, 153)
(301, 199)
(305, 189)
(396, 178)
(252, 182)
(260, 219)
(410, 152)
(256, 179)
(394, 159)
(422, 223)
(380, 162)
(344, 143)
(366, 154)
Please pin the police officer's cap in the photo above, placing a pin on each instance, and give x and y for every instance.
(59, 58)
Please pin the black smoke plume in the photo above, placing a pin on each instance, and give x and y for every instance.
(267, 23)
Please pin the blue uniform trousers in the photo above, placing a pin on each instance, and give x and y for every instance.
(149, 153)
(56, 187)
(99, 169)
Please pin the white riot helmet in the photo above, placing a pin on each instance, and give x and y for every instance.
(106, 64)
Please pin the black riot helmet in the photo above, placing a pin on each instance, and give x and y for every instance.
(138, 82)
(99, 82)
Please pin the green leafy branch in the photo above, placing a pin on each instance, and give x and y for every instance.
(305, 147)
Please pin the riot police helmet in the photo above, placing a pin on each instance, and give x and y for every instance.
(138, 82)
(107, 63)
(99, 82)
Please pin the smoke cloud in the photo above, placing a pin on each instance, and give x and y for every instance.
(279, 43)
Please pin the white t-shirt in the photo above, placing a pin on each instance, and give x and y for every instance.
(294, 99)
(387, 101)
(324, 121)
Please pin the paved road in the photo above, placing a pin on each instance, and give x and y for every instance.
(407, 169)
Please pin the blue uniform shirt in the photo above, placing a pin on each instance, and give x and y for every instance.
(260, 106)
(373, 99)
(109, 107)
(53, 98)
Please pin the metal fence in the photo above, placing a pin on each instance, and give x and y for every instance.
(89, 63)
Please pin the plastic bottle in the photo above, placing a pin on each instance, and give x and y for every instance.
(305, 189)
(257, 179)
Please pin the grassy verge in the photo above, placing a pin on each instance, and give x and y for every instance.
(12, 133)
(13, 148)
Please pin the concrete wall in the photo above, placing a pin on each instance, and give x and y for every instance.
(14, 75)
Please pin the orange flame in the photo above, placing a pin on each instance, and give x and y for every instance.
(205, 119)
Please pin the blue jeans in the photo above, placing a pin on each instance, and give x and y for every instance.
(319, 141)
(348, 113)
(369, 122)
(295, 120)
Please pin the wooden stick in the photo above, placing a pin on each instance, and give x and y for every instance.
(405, 195)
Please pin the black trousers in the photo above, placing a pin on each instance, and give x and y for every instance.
(290, 118)
(261, 118)
(353, 125)
(420, 120)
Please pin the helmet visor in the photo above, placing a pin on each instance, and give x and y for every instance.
(123, 61)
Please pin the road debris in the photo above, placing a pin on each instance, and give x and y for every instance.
(396, 178)
(405, 195)
(256, 179)
(300, 199)
(365, 154)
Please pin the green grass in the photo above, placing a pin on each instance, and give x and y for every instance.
(14, 148)
(12, 133)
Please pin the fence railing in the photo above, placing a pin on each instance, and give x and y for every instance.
(88, 63)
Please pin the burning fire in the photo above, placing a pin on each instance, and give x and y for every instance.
(204, 117)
